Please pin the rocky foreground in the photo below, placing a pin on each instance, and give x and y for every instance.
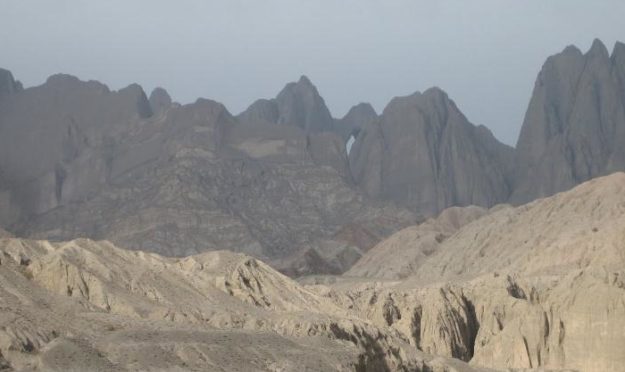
(538, 286)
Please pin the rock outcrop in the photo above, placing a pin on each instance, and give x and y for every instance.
(574, 128)
(160, 100)
(298, 104)
(537, 286)
(54, 141)
(8, 85)
(356, 118)
(85, 305)
(423, 153)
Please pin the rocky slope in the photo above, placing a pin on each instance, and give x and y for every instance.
(179, 180)
(574, 128)
(562, 233)
(537, 286)
(85, 305)
(423, 153)
(402, 253)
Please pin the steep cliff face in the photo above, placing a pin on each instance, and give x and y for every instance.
(574, 128)
(423, 153)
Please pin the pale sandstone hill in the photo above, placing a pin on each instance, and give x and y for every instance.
(423, 153)
(574, 128)
(85, 305)
(540, 285)
(566, 232)
(402, 253)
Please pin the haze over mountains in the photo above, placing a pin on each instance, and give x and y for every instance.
(276, 181)
(429, 246)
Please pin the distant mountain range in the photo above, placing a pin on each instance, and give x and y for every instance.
(276, 181)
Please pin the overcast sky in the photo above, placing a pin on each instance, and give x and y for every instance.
(484, 53)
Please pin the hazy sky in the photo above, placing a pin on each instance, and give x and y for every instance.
(484, 53)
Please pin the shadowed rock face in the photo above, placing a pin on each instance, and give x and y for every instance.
(574, 129)
(185, 180)
(423, 153)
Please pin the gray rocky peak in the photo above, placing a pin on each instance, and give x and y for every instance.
(598, 48)
(8, 85)
(159, 100)
(300, 104)
(574, 128)
(423, 153)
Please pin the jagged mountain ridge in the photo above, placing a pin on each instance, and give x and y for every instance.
(182, 179)
(101, 150)
(298, 104)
